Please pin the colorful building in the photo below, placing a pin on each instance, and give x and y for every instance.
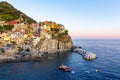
(47, 25)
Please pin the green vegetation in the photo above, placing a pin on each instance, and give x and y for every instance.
(6, 17)
(55, 30)
(8, 12)
(6, 27)
(60, 36)
(66, 32)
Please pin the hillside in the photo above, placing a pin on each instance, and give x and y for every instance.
(8, 12)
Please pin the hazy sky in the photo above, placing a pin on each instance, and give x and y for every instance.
(85, 19)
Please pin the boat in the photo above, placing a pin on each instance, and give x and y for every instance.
(65, 68)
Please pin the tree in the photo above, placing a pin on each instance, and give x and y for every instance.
(66, 32)
(56, 30)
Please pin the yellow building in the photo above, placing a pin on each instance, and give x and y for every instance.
(47, 25)
(48, 28)
(6, 38)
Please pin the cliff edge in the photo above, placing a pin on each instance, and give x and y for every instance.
(53, 39)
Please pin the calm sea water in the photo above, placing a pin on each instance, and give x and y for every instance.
(108, 64)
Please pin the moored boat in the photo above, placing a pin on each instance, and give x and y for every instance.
(65, 68)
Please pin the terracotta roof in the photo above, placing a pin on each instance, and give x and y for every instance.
(12, 22)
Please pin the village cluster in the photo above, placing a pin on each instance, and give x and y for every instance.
(22, 32)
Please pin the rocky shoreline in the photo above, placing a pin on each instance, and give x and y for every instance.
(24, 55)
(35, 55)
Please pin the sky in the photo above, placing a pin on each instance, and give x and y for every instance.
(85, 19)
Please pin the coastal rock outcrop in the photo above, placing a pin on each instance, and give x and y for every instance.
(86, 55)
(89, 56)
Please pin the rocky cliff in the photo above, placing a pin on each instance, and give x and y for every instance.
(51, 45)
(54, 40)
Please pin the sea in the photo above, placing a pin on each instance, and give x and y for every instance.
(105, 67)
